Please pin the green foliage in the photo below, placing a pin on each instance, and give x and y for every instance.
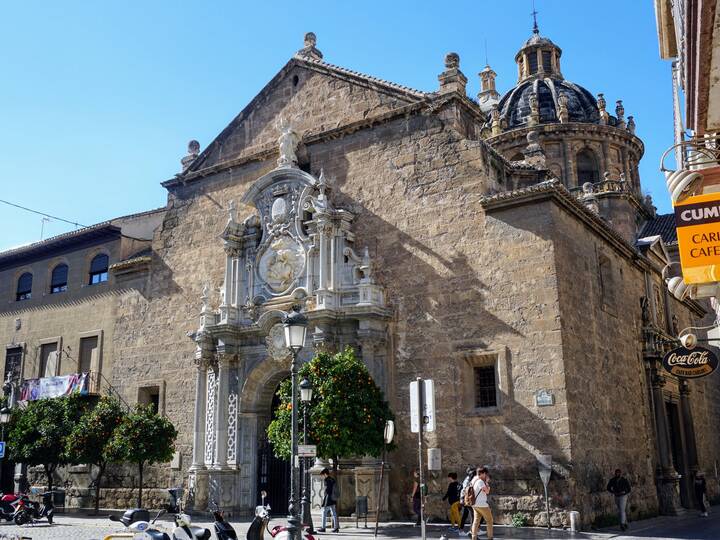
(38, 432)
(144, 437)
(347, 413)
(88, 442)
(519, 520)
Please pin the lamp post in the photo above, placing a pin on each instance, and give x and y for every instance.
(295, 325)
(306, 391)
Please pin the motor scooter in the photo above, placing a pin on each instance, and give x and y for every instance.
(8, 505)
(138, 521)
(223, 530)
(260, 524)
(28, 511)
(183, 525)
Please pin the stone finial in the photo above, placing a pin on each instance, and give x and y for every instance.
(232, 211)
(193, 151)
(495, 116)
(620, 113)
(601, 109)
(452, 79)
(563, 113)
(310, 50)
(533, 152)
(631, 125)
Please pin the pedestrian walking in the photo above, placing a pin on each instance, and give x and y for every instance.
(466, 510)
(452, 495)
(329, 502)
(700, 492)
(416, 494)
(477, 497)
(620, 488)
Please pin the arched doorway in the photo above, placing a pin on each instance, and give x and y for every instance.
(273, 473)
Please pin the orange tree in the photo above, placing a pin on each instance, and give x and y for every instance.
(347, 414)
(143, 438)
(88, 441)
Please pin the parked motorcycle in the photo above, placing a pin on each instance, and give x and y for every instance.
(223, 530)
(260, 524)
(183, 525)
(28, 511)
(138, 521)
(8, 505)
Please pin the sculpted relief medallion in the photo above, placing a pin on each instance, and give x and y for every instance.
(281, 263)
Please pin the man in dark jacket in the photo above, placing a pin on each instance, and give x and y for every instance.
(329, 501)
(620, 487)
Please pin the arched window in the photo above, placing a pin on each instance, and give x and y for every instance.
(24, 287)
(99, 269)
(587, 167)
(58, 281)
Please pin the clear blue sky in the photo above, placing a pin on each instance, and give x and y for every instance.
(99, 99)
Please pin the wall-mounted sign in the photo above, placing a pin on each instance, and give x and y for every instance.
(697, 220)
(543, 398)
(690, 363)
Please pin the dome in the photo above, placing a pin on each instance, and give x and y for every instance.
(515, 106)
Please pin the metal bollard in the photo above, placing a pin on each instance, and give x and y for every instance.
(574, 520)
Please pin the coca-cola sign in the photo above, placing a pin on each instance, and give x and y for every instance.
(690, 363)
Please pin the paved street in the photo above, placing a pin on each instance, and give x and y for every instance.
(686, 528)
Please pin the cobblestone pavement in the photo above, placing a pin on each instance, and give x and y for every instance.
(689, 527)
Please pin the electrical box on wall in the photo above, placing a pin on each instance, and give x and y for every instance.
(434, 459)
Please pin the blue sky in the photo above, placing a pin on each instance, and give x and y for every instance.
(99, 99)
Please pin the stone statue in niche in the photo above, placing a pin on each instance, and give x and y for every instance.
(288, 142)
(282, 263)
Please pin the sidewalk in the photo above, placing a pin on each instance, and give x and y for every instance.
(689, 527)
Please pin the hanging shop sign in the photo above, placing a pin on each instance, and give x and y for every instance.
(690, 363)
(697, 219)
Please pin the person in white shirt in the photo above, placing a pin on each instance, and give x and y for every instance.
(481, 508)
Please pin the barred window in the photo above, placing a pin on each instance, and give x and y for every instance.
(485, 387)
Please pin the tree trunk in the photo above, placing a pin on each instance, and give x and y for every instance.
(49, 475)
(101, 471)
(140, 470)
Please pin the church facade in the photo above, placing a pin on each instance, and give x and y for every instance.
(500, 246)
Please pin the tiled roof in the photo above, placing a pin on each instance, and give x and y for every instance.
(663, 225)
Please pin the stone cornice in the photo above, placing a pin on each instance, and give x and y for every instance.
(582, 129)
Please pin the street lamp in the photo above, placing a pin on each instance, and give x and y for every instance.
(306, 391)
(295, 325)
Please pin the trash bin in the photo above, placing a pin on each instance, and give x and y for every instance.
(574, 520)
(58, 496)
(361, 509)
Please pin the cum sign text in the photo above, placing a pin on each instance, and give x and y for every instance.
(697, 220)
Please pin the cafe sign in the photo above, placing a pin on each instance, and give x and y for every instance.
(697, 219)
(690, 363)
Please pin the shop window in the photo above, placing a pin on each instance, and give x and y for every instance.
(99, 269)
(24, 287)
(58, 280)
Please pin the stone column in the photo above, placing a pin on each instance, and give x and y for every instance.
(198, 459)
(322, 259)
(688, 428)
(221, 408)
(668, 480)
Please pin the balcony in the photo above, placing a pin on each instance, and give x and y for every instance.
(91, 383)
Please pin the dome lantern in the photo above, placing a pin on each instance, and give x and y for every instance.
(538, 57)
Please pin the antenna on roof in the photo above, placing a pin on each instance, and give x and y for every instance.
(536, 30)
(486, 57)
(42, 226)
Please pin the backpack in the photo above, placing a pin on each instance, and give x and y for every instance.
(469, 496)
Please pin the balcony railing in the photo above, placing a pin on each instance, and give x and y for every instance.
(90, 383)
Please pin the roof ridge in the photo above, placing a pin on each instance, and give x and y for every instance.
(407, 89)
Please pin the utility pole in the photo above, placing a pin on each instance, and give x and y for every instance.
(421, 425)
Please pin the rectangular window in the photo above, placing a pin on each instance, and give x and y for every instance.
(88, 354)
(485, 387)
(150, 395)
(13, 359)
(533, 61)
(48, 360)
